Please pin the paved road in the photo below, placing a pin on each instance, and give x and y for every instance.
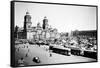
(44, 55)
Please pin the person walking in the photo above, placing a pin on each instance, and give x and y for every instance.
(50, 53)
(21, 62)
(26, 55)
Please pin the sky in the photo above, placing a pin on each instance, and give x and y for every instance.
(65, 18)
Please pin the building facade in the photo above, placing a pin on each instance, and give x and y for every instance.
(37, 32)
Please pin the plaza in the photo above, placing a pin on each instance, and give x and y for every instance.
(44, 55)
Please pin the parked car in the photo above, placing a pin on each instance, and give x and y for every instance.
(36, 59)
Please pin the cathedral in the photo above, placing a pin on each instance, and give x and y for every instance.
(38, 32)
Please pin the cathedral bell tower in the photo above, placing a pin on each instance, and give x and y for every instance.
(45, 23)
(27, 24)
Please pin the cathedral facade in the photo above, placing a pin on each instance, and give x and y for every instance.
(38, 32)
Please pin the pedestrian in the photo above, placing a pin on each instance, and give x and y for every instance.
(21, 62)
(26, 55)
(50, 53)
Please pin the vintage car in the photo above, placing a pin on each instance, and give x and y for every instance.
(36, 59)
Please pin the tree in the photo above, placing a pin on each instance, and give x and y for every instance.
(16, 32)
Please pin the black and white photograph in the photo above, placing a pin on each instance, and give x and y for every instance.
(53, 33)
